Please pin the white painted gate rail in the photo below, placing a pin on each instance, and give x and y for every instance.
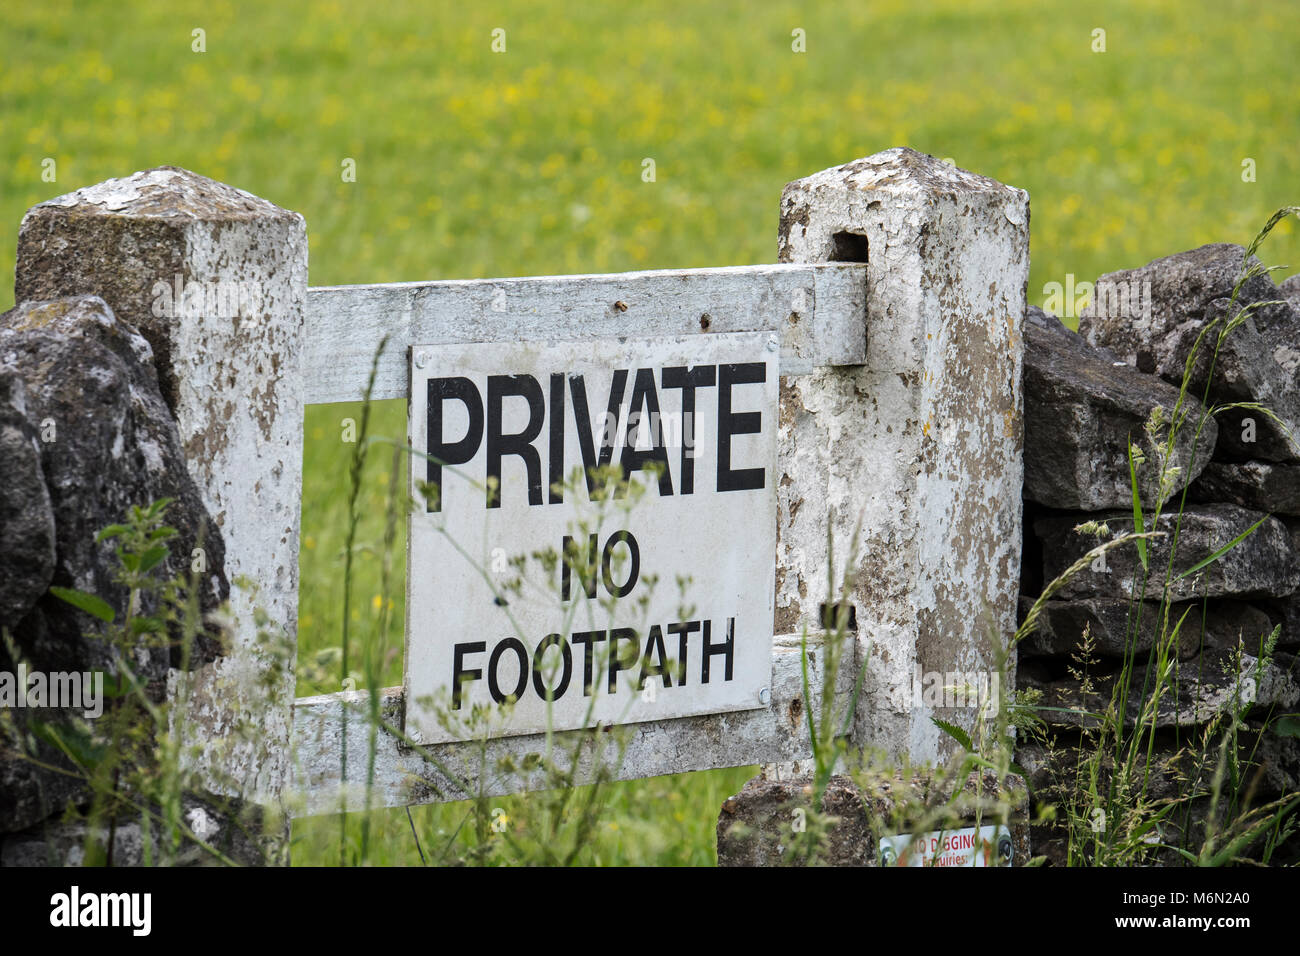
(816, 309)
(899, 306)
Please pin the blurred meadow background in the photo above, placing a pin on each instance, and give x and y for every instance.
(474, 163)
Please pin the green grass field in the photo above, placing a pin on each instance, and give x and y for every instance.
(472, 163)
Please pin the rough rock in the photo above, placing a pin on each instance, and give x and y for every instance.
(1263, 565)
(1260, 485)
(1278, 757)
(29, 791)
(1290, 289)
(227, 830)
(26, 519)
(1286, 612)
(1169, 778)
(1197, 691)
(1152, 316)
(84, 384)
(1082, 407)
(1270, 768)
(1061, 625)
(1051, 773)
(90, 379)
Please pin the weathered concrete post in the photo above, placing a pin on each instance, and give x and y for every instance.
(921, 445)
(215, 279)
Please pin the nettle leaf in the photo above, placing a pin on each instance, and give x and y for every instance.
(85, 602)
(112, 531)
(152, 557)
(76, 742)
(953, 731)
(115, 685)
(159, 506)
(1288, 725)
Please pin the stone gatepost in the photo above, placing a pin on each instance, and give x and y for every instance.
(920, 446)
(215, 279)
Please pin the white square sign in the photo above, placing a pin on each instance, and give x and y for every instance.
(600, 548)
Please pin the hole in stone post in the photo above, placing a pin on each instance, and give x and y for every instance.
(849, 247)
(830, 616)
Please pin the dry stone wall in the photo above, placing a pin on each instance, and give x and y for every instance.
(1086, 395)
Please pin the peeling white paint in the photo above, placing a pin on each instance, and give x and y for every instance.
(921, 446)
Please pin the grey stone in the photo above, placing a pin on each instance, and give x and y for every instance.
(1285, 612)
(88, 436)
(1278, 760)
(1082, 407)
(64, 845)
(1214, 683)
(1110, 622)
(1176, 774)
(1264, 564)
(1157, 331)
(114, 445)
(1259, 485)
(1290, 289)
(219, 833)
(35, 782)
(26, 519)
(1049, 771)
(1054, 777)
